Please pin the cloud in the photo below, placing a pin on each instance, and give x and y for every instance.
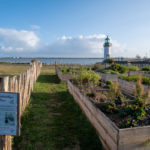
(26, 43)
(83, 46)
(34, 27)
(12, 40)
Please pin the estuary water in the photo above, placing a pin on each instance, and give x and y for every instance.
(83, 61)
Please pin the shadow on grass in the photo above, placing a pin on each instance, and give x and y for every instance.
(49, 124)
(72, 125)
(48, 78)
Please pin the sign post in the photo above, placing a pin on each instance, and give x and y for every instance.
(9, 114)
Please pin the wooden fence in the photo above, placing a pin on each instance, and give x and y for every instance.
(110, 135)
(23, 84)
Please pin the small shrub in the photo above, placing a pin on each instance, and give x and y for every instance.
(109, 83)
(146, 68)
(119, 68)
(133, 68)
(134, 78)
(97, 67)
(139, 88)
(85, 77)
(109, 60)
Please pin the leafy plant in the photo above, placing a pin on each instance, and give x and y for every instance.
(110, 107)
(139, 88)
(146, 68)
(109, 60)
(97, 67)
(85, 77)
(134, 78)
(109, 83)
(133, 68)
(119, 68)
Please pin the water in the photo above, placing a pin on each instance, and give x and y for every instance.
(83, 61)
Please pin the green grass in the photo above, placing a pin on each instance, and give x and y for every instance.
(12, 69)
(134, 78)
(53, 121)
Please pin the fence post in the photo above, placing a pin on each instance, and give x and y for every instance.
(5, 140)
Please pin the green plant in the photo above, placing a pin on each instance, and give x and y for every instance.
(86, 77)
(134, 111)
(134, 78)
(115, 90)
(97, 67)
(109, 60)
(139, 88)
(110, 107)
(146, 68)
(109, 83)
(133, 68)
(119, 68)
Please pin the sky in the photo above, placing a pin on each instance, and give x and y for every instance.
(74, 28)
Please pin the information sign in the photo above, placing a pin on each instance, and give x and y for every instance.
(9, 113)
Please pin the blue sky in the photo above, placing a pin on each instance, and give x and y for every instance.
(74, 28)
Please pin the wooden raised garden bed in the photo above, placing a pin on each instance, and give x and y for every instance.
(111, 136)
(129, 87)
(63, 77)
(108, 77)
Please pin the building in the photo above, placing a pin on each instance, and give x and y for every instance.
(107, 46)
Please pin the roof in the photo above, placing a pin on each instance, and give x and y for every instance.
(107, 43)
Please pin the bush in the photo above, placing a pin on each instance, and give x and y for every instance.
(133, 68)
(129, 78)
(109, 60)
(146, 68)
(109, 72)
(96, 67)
(134, 78)
(119, 68)
(109, 83)
(85, 77)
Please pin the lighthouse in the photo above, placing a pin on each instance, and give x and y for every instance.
(107, 46)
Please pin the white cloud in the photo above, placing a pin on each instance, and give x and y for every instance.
(26, 43)
(83, 46)
(34, 27)
(14, 40)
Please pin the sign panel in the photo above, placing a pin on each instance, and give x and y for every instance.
(9, 113)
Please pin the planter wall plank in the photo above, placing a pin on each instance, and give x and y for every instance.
(108, 77)
(134, 138)
(61, 76)
(138, 73)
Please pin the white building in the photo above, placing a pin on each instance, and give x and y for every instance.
(107, 46)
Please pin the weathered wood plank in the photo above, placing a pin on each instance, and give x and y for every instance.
(108, 136)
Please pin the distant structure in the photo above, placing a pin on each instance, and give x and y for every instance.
(107, 46)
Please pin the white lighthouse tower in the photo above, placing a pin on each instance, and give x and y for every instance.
(107, 46)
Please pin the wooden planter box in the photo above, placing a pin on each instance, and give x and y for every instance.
(138, 73)
(110, 135)
(108, 77)
(63, 77)
(129, 87)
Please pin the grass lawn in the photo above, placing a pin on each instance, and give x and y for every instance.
(53, 121)
(12, 69)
